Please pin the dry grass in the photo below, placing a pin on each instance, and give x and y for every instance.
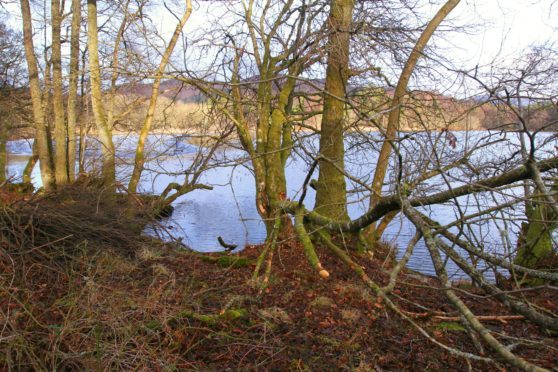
(66, 293)
(80, 289)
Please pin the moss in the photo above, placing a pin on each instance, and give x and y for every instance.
(329, 341)
(209, 319)
(450, 326)
(322, 302)
(153, 325)
(234, 314)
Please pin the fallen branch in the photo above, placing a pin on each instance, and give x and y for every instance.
(392, 203)
(228, 247)
(487, 318)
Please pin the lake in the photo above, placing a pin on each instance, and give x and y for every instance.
(229, 209)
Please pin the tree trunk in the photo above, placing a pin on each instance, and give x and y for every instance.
(85, 117)
(30, 164)
(60, 131)
(41, 134)
(140, 158)
(331, 195)
(275, 158)
(535, 242)
(103, 130)
(3, 150)
(395, 108)
(73, 88)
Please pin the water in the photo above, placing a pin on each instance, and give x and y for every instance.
(229, 209)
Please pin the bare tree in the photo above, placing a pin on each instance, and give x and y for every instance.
(41, 134)
(139, 160)
(104, 130)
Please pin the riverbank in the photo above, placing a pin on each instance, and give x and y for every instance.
(102, 296)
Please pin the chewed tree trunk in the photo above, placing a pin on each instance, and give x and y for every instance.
(30, 164)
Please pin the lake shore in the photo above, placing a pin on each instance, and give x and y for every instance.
(126, 302)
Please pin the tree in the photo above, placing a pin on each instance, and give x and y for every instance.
(331, 199)
(60, 125)
(103, 128)
(139, 159)
(41, 133)
(13, 98)
(395, 109)
(263, 67)
(72, 109)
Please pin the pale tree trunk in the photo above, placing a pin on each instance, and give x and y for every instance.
(27, 172)
(41, 135)
(140, 157)
(395, 107)
(331, 195)
(115, 66)
(61, 152)
(3, 150)
(103, 130)
(73, 88)
(85, 117)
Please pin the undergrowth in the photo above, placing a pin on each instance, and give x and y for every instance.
(82, 289)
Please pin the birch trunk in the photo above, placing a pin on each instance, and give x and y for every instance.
(73, 88)
(103, 130)
(60, 131)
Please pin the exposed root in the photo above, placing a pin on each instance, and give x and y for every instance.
(309, 250)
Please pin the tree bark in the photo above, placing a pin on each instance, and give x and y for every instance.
(537, 240)
(331, 195)
(27, 172)
(3, 150)
(41, 133)
(73, 88)
(103, 130)
(60, 131)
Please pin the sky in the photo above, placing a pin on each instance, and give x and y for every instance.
(510, 26)
(498, 29)
(519, 23)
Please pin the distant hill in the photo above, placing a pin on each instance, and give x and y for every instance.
(422, 110)
(172, 89)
